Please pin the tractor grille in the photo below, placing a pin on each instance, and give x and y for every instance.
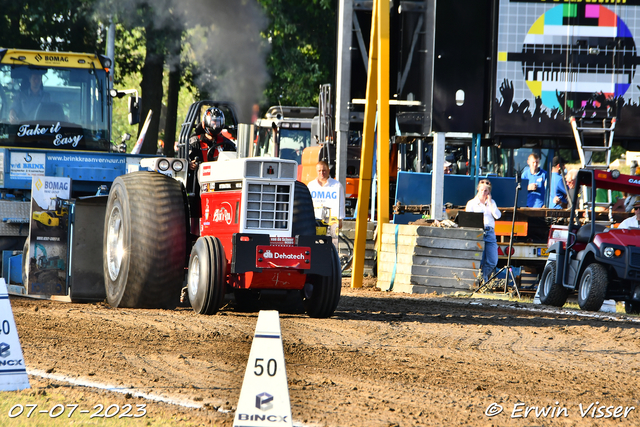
(268, 206)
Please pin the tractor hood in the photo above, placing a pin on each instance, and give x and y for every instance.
(624, 237)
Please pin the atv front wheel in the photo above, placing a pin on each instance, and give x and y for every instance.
(593, 287)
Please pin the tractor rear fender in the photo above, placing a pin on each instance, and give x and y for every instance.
(245, 246)
(86, 276)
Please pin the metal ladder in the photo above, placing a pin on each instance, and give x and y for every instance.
(586, 133)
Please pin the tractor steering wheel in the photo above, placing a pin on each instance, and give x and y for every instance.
(210, 152)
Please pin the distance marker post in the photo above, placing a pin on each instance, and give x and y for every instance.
(264, 397)
(13, 372)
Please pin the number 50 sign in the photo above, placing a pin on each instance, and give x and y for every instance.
(264, 397)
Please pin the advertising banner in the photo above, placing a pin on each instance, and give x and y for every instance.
(562, 59)
(48, 238)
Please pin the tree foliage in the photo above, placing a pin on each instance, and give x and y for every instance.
(302, 36)
(244, 51)
(61, 25)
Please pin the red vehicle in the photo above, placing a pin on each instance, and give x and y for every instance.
(247, 229)
(598, 261)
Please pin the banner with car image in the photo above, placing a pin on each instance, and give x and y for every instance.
(45, 258)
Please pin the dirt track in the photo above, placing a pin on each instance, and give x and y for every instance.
(384, 359)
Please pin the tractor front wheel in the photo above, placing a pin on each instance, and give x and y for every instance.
(321, 295)
(593, 287)
(207, 275)
(550, 292)
(145, 238)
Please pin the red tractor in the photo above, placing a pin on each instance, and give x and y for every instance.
(247, 228)
(598, 261)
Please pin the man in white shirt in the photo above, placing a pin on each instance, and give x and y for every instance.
(632, 222)
(327, 193)
(485, 204)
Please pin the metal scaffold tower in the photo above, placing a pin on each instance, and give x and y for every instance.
(595, 135)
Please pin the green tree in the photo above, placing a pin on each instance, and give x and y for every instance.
(221, 52)
(62, 25)
(159, 22)
(302, 36)
(216, 49)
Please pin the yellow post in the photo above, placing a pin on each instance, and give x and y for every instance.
(383, 119)
(366, 158)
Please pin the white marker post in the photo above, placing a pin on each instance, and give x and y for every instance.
(264, 397)
(13, 372)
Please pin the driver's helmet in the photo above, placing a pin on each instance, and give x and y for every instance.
(213, 121)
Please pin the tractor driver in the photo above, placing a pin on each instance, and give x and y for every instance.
(207, 142)
(26, 102)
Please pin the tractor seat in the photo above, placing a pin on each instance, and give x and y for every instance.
(582, 236)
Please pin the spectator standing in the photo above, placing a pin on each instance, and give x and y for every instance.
(570, 178)
(558, 194)
(537, 178)
(483, 203)
(327, 193)
(447, 167)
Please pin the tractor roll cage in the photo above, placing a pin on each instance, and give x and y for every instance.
(194, 115)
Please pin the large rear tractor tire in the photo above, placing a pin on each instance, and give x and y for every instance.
(550, 292)
(145, 241)
(207, 275)
(304, 220)
(593, 287)
(321, 295)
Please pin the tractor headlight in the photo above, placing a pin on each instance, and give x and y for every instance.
(163, 164)
(177, 165)
(615, 174)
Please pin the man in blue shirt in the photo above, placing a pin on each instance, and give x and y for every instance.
(558, 193)
(537, 182)
(560, 200)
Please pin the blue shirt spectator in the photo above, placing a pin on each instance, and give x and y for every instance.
(537, 182)
(553, 184)
(558, 193)
(559, 200)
